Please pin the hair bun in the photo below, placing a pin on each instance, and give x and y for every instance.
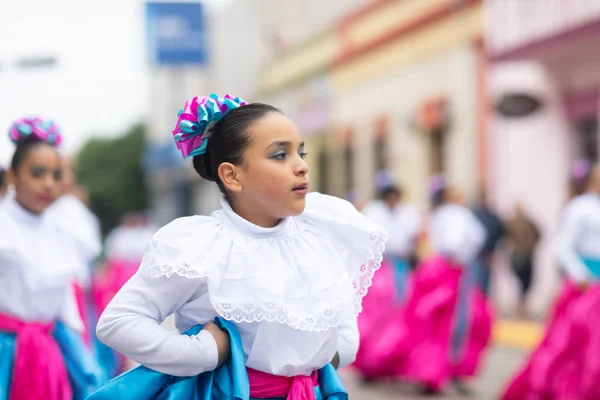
(202, 166)
(35, 128)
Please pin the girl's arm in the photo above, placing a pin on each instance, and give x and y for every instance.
(131, 324)
(348, 340)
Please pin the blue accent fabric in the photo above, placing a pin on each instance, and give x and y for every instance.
(461, 322)
(592, 265)
(83, 371)
(228, 382)
(401, 272)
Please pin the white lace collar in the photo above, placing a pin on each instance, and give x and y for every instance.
(315, 274)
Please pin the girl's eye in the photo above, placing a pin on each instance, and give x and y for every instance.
(303, 154)
(57, 175)
(37, 172)
(279, 156)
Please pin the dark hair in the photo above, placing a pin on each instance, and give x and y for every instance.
(229, 139)
(2, 175)
(23, 148)
(439, 197)
(388, 191)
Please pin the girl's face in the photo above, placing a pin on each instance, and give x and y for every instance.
(272, 182)
(37, 179)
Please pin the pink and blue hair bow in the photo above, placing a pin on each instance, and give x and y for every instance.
(44, 130)
(197, 120)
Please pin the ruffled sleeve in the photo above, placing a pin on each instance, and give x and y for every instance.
(189, 247)
(360, 241)
(172, 274)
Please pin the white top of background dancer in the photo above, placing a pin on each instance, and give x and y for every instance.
(454, 229)
(128, 242)
(83, 227)
(456, 232)
(580, 235)
(403, 224)
(37, 267)
(293, 290)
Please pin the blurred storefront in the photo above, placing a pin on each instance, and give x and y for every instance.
(545, 91)
(395, 85)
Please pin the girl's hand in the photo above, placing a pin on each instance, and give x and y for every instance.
(222, 340)
(336, 361)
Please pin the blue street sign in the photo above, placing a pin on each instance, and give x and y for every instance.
(177, 34)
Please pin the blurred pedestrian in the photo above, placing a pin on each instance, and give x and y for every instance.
(523, 237)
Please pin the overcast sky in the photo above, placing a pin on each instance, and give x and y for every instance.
(97, 85)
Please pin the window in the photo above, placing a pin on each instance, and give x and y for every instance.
(588, 134)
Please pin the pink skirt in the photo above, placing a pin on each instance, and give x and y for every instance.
(565, 365)
(106, 286)
(380, 305)
(416, 343)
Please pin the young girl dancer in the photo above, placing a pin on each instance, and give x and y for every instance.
(42, 355)
(289, 269)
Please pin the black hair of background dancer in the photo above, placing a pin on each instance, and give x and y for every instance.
(390, 191)
(2, 177)
(230, 138)
(24, 146)
(439, 197)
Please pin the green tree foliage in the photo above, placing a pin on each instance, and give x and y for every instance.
(111, 170)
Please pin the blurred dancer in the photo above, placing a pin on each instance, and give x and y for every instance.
(390, 283)
(494, 233)
(446, 324)
(42, 355)
(565, 364)
(70, 211)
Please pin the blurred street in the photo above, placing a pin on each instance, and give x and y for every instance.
(501, 362)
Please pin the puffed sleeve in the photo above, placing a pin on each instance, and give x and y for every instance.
(173, 272)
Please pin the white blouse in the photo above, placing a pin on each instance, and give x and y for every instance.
(456, 232)
(293, 291)
(579, 235)
(80, 225)
(37, 268)
(403, 224)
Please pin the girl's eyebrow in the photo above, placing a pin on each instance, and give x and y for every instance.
(283, 144)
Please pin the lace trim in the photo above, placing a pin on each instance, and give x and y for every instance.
(153, 269)
(363, 282)
(273, 313)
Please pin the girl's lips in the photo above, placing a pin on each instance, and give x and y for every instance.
(301, 189)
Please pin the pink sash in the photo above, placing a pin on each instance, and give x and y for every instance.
(265, 386)
(39, 371)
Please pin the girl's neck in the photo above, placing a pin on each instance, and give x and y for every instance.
(253, 216)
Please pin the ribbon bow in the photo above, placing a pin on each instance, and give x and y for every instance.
(44, 130)
(197, 120)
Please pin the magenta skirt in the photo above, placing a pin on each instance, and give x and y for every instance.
(417, 342)
(565, 365)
